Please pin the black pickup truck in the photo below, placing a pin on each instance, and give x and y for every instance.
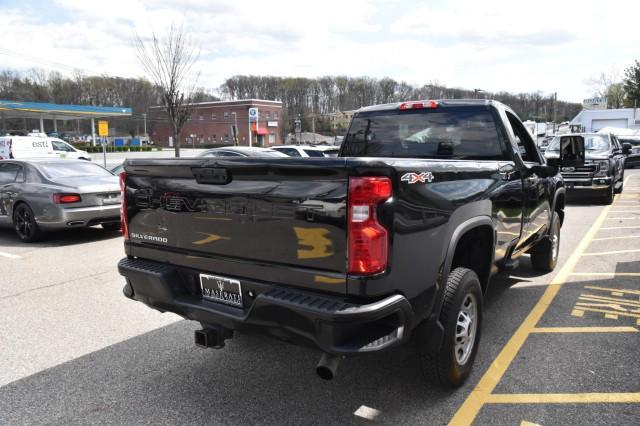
(394, 240)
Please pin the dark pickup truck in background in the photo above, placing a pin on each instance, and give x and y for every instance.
(394, 240)
(591, 161)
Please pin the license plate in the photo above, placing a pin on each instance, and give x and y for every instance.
(220, 289)
(111, 199)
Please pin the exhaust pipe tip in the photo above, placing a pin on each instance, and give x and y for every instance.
(328, 366)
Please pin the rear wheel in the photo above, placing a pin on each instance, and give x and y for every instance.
(24, 222)
(461, 318)
(544, 255)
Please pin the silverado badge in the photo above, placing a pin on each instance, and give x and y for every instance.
(412, 178)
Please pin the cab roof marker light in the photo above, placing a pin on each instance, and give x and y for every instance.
(418, 105)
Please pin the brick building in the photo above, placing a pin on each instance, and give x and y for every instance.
(213, 122)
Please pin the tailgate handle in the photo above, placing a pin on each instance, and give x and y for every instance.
(212, 175)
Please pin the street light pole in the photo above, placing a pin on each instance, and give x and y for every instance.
(145, 123)
(235, 129)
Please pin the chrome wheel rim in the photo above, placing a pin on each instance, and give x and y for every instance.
(23, 222)
(466, 328)
(555, 243)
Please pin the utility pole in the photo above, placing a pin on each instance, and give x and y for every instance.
(555, 109)
(144, 115)
(313, 128)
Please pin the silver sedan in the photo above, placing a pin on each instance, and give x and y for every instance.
(41, 195)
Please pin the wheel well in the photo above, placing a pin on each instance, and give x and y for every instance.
(475, 251)
(559, 207)
(16, 204)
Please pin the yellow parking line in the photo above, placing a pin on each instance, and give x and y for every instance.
(603, 253)
(621, 329)
(605, 299)
(565, 398)
(588, 307)
(481, 394)
(616, 290)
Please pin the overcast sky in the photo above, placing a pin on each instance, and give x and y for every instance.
(491, 45)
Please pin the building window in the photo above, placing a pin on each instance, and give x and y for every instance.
(272, 139)
(201, 117)
(226, 114)
(266, 115)
(213, 116)
(275, 115)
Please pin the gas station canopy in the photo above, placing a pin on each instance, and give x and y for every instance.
(17, 109)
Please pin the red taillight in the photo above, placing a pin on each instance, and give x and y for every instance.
(123, 206)
(66, 198)
(418, 105)
(368, 239)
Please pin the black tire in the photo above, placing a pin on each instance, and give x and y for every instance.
(111, 227)
(607, 197)
(619, 189)
(544, 255)
(25, 225)
(445, 366)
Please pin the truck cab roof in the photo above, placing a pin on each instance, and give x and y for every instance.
(439, 102)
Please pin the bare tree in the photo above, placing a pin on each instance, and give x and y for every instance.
(169, 63)
(609, 85)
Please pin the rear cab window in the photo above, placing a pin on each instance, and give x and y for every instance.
(460, 132)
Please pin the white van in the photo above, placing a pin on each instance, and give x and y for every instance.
(19, 147)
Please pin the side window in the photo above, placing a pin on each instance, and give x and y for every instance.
(291, 152)
(230, 154)
(616, 143)
(61, 146)
(526, 146)
(8, 173)
(21, 176)
(314, 153)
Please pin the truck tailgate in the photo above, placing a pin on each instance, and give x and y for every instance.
(261, 219)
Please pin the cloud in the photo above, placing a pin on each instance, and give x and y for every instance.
(492, 45)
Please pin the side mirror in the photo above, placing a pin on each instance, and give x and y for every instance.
(626, 148)
(572, 151)
(544, 170)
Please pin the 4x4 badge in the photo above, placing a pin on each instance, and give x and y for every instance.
(412, 178)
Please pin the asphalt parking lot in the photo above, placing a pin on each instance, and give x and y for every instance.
(560, 348)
